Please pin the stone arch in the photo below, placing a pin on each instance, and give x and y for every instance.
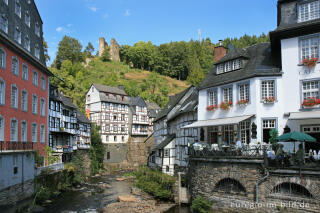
(230, 186)
(291, 189)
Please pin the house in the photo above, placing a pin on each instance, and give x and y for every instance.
(62, 124)
(170, 153)
(153, 110)
(24, 78)
(296, 42)
(83, 132)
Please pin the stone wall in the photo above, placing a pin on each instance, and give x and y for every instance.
(239, 178)
(87, 161)
(15, 193)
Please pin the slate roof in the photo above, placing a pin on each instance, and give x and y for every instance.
(103, 97)
(137, 101)
(236, 53)
(152, 113)
(113, 90)
(165, 142)
(67, 101)
(81, 117)
(285, 27)
(152, 105)
(172, 102)
(153, 109)
(189, 105)
(260, 63)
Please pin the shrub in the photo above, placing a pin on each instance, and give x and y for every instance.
(201, 205)
(42, 195)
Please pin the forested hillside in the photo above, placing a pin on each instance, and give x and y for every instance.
(150, 71)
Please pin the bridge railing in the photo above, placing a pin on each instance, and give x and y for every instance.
(246, 151)
(16, 146)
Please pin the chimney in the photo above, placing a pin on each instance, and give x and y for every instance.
(219, 52)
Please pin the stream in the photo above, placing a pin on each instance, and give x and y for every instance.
(92, 196)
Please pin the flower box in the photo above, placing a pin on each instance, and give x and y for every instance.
(212, 107)
(311, 102)
(310, 62)
(269, 100)
(226, 105)
(243, 102)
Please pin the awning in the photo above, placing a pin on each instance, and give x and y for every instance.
(219, 122)
(304, 115)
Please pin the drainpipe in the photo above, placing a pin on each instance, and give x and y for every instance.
(258, 183)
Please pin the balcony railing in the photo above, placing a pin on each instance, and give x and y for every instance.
(15, 146)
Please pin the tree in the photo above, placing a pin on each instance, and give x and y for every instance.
(45, 49)
(68, 49)
(97, 150)
(88, 51)
(106, 55)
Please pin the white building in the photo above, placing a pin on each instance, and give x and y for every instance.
(83, 132)
(297, 38)
(170, 139)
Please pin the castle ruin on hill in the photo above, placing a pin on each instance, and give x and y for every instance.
(114, 48)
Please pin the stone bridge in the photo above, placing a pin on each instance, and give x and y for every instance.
(231, 183)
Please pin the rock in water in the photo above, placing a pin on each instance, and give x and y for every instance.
(127, 198)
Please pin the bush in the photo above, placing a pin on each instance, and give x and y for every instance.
(201, 205)
(42, 195)
(155, 183)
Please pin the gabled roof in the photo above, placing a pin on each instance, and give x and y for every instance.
(108, 89)
(67, 101)
(81, 117)
(152, 105)
(103, 97)
(234, 54)
(172, 102)
(137, 101)
(165, 142)
(260, 63)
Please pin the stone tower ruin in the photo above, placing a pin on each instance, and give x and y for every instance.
(114, 48)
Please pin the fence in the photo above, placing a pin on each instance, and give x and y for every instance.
(15, 146)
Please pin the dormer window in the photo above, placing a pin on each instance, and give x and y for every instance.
(309, 11)
(229, 66)
(4, 23)
(27, 19)
(17, 35)
(17, 8)
(37, 29)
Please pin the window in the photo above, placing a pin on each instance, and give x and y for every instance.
(17, 8)
(267, 126)
(1, 128)
(14, 96)
(34, 104)
(115, 138)
(123, 128)
(25, 72)
(310, 89)
(15, 164)
(53, 105)
(166, 153)
(27, 18)
(108, 155)
(308, 11)
(17, 35)
(268, 89)
(227, 94)
(115, 128)
(107, 116)
(42, 107)
(212, 98)
(43, 83)
(244, 92)
(2, 92)
(24, 131)
(27, 43)
(37, 51)
(107, 138)
(35, 78)
(4, 23)
(245, 132)
(34, 132)
(88, 98)
(107, 128)
(14, 130)
(122, 117)
(42, 133)
(15, 66)
(228, 66)
(114, 117)
(37, 29)
(309, 48)
(122, 138)
(24, 101)
(228, 134)
(6, 2)
(220, 68)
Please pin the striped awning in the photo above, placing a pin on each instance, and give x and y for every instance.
(219, 121)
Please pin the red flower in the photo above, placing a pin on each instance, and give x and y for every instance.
(242, 102)
(310, 62)
(310, 102)
(211, 107)
(225, 105)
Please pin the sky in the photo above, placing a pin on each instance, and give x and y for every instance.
(158, 21)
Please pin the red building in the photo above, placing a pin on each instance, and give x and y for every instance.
(24, 78)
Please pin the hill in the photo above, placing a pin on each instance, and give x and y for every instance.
(78, 77)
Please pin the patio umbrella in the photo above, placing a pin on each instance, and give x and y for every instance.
(296, 136)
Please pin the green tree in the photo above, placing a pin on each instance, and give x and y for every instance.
(68, 49)
(88, 51)
(45, 49)
(97, 150)
(196, 74)
(106, 55)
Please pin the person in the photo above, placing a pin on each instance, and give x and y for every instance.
(300, 155)
(280, 153)
(238, 143)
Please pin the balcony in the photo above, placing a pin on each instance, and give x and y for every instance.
(7, 146)
(62, 149)
(137, 132)
(83, 145)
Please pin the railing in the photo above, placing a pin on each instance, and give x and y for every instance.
(15, 146)
(62, 148)
(247, 151)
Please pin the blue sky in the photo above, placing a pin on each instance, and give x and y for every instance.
(158, 21)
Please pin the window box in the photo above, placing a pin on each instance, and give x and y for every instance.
(61, 129)
(243, 102)
(226, 105)
(269, 100)
(212, 107)
(311, 102)
(310, 62)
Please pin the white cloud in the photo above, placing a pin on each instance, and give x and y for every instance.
(127, 13)
(93, 9)
(105, 16)
(59, 29)
(69, 25)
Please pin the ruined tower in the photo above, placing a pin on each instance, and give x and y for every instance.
(102, 45)
(114, 50)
